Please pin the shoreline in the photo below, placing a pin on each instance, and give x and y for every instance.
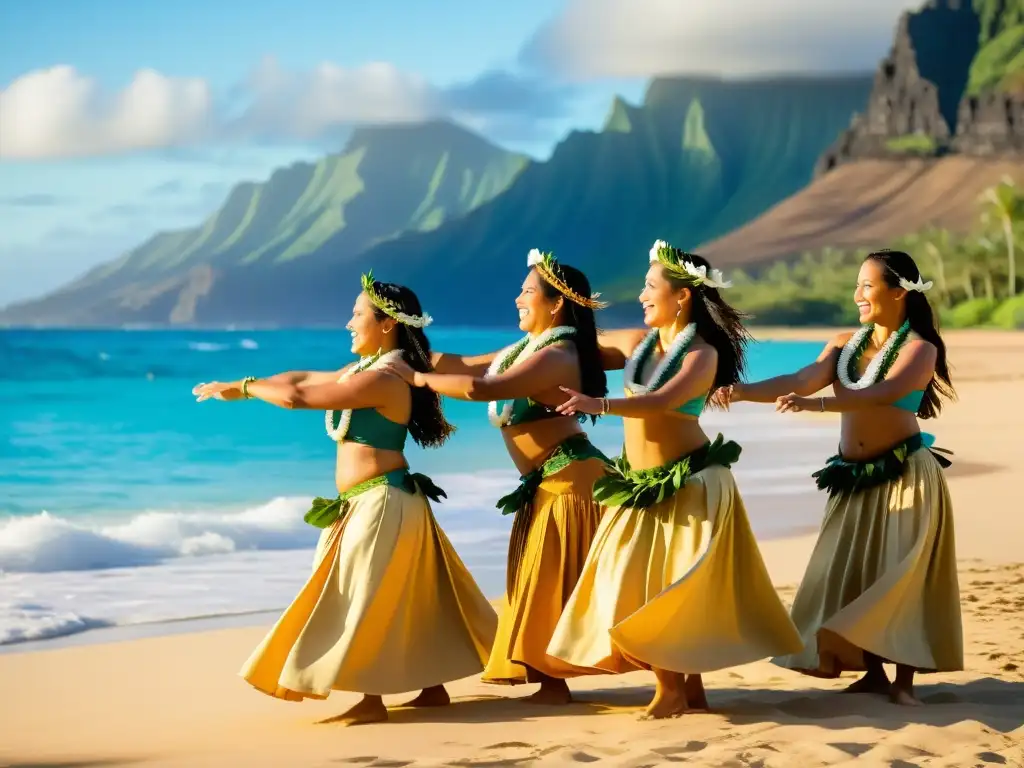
(102, 697)
(987, 367)
(121, 633)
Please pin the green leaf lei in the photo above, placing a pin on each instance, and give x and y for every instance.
(644, 488)
(576, 448)
(325, 512)
(842, 476)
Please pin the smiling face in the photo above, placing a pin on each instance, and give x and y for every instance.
(661, 302)
(876, 300)
(368, 333)
(536, 311)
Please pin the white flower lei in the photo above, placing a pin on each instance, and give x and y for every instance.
(675, 352)
(871, 373)
(337, 434)
(518, 353)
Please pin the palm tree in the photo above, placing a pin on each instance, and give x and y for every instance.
(1004, 205)
(939, 246)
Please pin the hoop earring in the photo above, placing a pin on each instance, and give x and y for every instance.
(388, 331)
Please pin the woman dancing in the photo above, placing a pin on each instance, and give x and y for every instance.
(555, 514)
(674, 581)
(881, 584)
(389, 606)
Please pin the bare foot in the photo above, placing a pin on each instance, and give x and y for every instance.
(870, 683)
(666, 703)
(904, 697)
(370, 710)
(696, 697)
(552, 692)
(435, 696)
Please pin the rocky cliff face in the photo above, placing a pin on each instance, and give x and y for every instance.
(991, 125)
(915, 105)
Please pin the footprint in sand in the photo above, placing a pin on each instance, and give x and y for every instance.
(680, 749)
(852, 748)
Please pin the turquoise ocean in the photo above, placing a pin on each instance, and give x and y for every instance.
(123, 502)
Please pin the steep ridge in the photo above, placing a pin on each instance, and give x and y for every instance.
(867, 203)
(303, 219)
(698, 157)
(455, 217)
(943, 123)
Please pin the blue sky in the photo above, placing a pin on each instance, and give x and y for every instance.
(119, 118)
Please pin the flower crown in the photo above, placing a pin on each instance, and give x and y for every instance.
(675, 262)
(391, 309)
(547, 268)
(920, 285)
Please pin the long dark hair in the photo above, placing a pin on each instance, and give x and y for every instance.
(427, 424)
(718, 323)
(593, 381)
(896, 265)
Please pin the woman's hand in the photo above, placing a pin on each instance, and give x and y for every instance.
(405, 372)
(579, 403)
(216, 390)
(794, 403)
(724, 397)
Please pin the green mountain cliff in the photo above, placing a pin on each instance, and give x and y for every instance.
(387, 181)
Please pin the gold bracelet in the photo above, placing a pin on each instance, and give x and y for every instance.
(605, 406)
(245, 387)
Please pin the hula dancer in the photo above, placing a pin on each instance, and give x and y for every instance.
(555, 513)
(881, 585)
(674, 581)
(389, 607)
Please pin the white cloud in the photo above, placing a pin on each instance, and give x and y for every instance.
(58, 112)
(305, 105)
(640, 38)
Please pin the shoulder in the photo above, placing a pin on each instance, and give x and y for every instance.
(565, 349)
(840, 340)
(915, 346)
(700, 346)
(380, 378)
(701, 352)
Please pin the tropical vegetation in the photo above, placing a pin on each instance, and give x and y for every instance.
(975, 277)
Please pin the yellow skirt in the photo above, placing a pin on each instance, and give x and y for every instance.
(882, 578)
(549, 544)
(389, 608)
(679, 586)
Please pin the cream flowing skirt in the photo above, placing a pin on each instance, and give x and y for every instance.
(679, 586)
(389, 608)
(883, 579)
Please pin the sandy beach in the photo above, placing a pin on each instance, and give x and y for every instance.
(176, 700)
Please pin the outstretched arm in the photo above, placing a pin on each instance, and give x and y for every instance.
(808, 380)
(695, 376)
(368, 389)
(913, 370)
(545, 370)
(617, 346)
(467, 365)
(306, 377)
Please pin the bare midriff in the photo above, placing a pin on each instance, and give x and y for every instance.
(529, 444)
(869, 432)
(654, 441)
(358, 463)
